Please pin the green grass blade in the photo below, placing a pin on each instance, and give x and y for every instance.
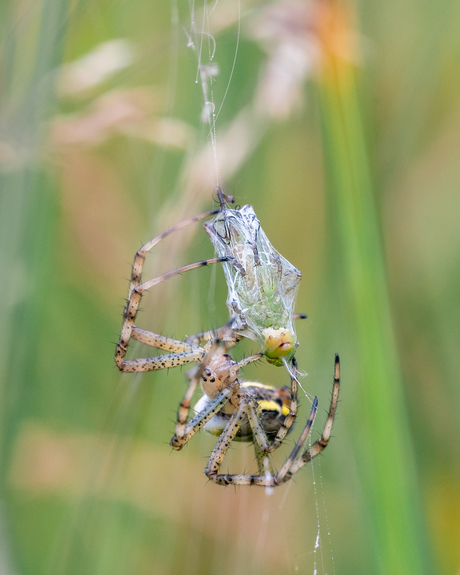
(385, 458)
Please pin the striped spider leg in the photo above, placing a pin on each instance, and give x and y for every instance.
(265, 478)
(181, 353)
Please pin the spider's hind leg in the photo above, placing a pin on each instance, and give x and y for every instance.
(265, 478)
(212, 469)
(294, 462)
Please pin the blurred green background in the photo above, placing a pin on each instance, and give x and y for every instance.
(341, 126)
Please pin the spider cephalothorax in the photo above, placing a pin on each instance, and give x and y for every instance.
(220, 372)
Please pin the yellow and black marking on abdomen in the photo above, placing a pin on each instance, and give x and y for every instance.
(273, 407)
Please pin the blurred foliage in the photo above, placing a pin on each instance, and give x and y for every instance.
(355, 179)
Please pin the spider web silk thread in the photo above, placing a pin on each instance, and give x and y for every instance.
(318, 521)
(205, 73)
(213, 131)
(234, 59)
(326, 515)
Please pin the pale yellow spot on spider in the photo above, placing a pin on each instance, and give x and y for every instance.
(278, 342)
(273, 406)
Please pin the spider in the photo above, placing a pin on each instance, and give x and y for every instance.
(275, 333)
(244, 411)
(236, 410)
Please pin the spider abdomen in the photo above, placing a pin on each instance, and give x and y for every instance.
(272, 407)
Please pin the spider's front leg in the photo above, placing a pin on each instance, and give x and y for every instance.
(182, 352)
(134, 296)
(129, 315)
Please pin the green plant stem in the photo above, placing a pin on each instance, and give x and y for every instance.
(387, 469)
